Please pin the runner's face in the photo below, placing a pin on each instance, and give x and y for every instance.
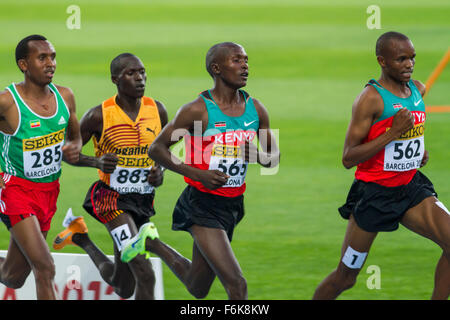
(234, 67)
(400, 60)
(132, 78)
(40, 64)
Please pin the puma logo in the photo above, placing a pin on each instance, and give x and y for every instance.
(152, 131)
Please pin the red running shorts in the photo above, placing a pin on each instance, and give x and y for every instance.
(22, 198)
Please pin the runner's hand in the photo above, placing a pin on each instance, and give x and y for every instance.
(425, 158)
(213, 179)
(403, 121)
(249, 152)
(71, 152)
(156, 176)
(107, 162)
(2, 183)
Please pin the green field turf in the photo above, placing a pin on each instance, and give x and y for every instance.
(308, 60)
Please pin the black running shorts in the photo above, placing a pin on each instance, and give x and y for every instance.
(105, 204)
(207, 210)
(378, 208)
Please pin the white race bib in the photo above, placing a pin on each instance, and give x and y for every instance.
(42, 155)
(227, 159)
(404, 155)
(121, 235)
(130, 180)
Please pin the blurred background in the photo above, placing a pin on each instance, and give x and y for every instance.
(308, 60)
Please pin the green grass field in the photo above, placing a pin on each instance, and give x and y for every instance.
(308, 61)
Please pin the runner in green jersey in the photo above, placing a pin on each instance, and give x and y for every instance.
(39, 129)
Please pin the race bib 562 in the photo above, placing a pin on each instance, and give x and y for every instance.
(405, 153)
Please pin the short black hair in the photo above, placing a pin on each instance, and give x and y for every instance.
(116, 63)
(22, 48)
(213, 53)
(384, 40)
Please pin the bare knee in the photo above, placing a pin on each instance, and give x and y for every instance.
(143, 272)
(44, 269)
(199, 292)
(124, 291)
(15, 280)
(237, 288)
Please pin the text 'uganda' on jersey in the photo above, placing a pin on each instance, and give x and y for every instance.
(34, 152)
(219, 146)
(397, 163)
(130, 141)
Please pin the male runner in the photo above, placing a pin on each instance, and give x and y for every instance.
(39, 128)
(122, 128)
(218, 125)
(385, 140)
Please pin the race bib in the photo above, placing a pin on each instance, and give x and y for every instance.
(407, 152)
(121, 235)
(42, 155)
(227, 158)
(130, 180)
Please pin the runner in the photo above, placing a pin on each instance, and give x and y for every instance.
(122, 128)
(39, 128)
(220, 126)
(385, 140)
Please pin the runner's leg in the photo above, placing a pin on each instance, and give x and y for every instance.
(30, 252)
(215, 248)
(344, 277)
(431, 219)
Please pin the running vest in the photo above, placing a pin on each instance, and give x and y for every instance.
(130, 141)
(33, 151)
(397, 163)
(218, 147)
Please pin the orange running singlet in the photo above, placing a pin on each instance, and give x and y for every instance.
(130, 141)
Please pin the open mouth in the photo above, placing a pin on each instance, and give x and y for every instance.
(49, 73)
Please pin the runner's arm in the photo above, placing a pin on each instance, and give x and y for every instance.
(156, 174)
(6, 103)
(269, 154)
(72, 146)
(183, 122)
(422, 89)
(91, 124)
(366, 109)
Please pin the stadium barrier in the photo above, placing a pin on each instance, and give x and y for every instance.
(77, 278)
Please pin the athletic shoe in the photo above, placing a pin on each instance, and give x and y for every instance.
(73, 225)
(136, 245)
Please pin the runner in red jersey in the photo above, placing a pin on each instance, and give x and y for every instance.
(385, 140)
(212, 204)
